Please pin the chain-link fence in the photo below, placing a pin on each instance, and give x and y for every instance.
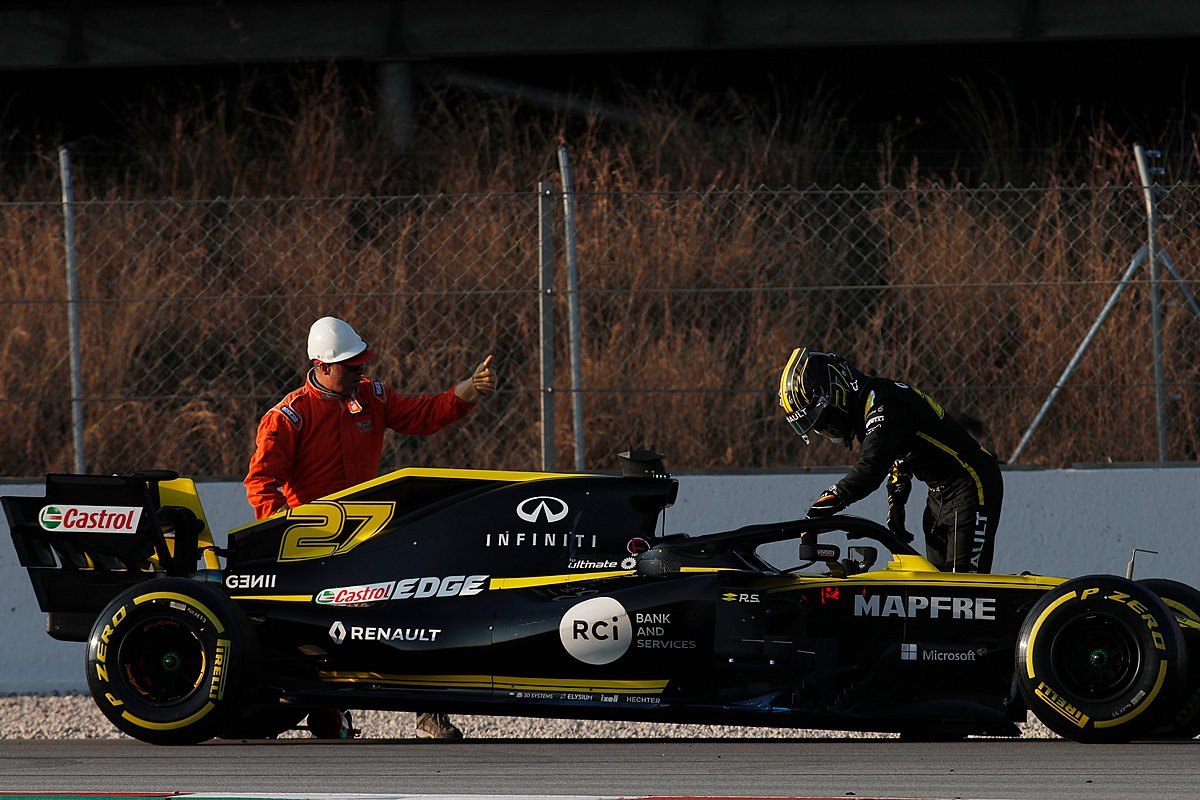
(193, 317)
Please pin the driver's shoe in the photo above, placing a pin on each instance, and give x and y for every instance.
(436, 726)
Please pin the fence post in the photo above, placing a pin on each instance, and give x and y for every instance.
(546, 322)
(1147, 252)
(564, 164)
(1083, 346)
(1149, 191)
(68, 201)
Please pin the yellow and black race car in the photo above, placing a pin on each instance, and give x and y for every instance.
(557, 595)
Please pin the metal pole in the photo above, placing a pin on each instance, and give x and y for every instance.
(1165, 258)
(546, 321)
(1087, 341)
(1160, 397)
(68, 201)
(564, 164)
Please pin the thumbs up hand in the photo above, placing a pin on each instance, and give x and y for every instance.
(481, 383)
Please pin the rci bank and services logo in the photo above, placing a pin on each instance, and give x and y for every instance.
(596, 631)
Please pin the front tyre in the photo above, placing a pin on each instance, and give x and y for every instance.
(1183, 722)
(1100, 659)
(170, 661)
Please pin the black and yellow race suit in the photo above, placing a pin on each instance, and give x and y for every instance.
(903, 428)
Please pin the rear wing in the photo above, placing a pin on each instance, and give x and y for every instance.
(92, 536)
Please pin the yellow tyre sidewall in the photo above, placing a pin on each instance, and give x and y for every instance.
(165, 661)
(1113, 620)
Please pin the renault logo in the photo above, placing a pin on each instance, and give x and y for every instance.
(549, 508)
(337, 632)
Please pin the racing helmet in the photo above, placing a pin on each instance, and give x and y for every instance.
(333, 341)
(817, 391)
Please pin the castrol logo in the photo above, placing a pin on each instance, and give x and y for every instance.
(355, 595)
(90, 519)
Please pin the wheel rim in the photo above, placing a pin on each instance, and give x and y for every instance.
(1096, 657)
(163, 660)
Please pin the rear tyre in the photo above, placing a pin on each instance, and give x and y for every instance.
(1100, 659)
(171, 661)
(1184, 601)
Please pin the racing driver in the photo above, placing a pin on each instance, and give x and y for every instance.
(899, 424)
(328, 435)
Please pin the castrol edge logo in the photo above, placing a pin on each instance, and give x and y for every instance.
(403, 589)
(90, 519)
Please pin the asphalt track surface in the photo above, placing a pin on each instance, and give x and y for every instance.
(854, 768)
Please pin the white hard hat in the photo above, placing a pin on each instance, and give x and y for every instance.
(333, 341)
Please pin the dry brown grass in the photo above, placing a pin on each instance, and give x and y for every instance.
(196, 307)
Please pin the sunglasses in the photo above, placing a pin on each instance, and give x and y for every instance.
(355, 368)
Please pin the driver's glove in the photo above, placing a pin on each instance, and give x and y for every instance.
(900, 531)
(899, 487)
(828, 504)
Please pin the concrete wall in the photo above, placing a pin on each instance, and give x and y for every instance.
(1055, 522)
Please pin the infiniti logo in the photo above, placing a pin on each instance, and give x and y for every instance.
(550, 508)
(337, 632)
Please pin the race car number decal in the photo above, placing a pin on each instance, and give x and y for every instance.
(324, 528)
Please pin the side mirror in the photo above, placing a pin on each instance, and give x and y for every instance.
(642, 463)
(864, 557)
(818, 552)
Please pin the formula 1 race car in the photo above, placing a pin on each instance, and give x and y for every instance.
(556, 595)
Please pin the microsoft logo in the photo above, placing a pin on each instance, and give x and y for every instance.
(908, 652)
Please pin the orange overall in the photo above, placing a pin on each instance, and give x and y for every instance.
(313, 443)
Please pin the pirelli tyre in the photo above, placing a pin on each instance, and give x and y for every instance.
(1183, 722)
(170, 661)
(1100, 659)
